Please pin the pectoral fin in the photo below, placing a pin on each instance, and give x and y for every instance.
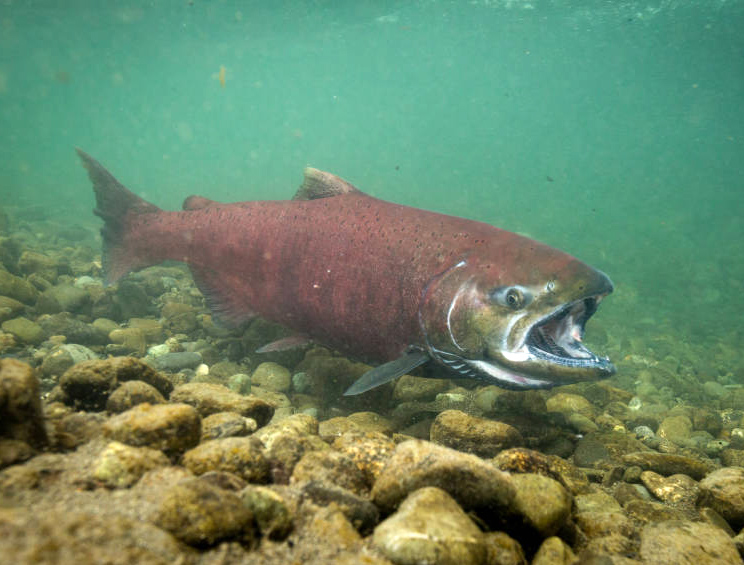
(387, 372)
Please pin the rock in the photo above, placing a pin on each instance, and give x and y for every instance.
(202, 515)
(676, 429)
(287, 441)
(62, 357)
(485, 438)
(127, 341)
(90, 383)
(210, 398)
(272, 376)
(63, 298)
(227, 424)
(17, 288)
(171, 428)
(723, 491)
(597, 524)
(43, 265)
(521, 460)
(9, 308)
(120, 466)
(67, 536)
(598, 501)
(24, 330)
(567, 403)
(242, 456)
(369, 451)
(152, 329)
(553, 551)
(131, 393)
(429, 527)
(369, 422)
(472, 482)
(687, 543)
(76, 331)
(411, 389)
(132, 300)
(330, 468)
(543, 503)
(14, 451)
(590, 452)
(240, 383)
(176, 361)
(21, 416)
(501, 549)
(672, 490)
(270, 511)
(329, 526)
(362, 514)
(179, 318)
(669, 464)
(87, 385)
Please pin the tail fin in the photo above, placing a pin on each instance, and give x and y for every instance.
(115, 204)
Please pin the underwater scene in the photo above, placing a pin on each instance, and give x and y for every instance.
(372, 282)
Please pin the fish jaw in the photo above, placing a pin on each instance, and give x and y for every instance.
(531, 341)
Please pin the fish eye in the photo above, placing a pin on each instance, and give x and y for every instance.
(550, 287)
(513, 297)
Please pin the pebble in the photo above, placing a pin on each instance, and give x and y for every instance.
(132, 393)
(669, 464)
(470, 434)
(202, 515)
(24, 330)
(17, 288)
(127, 340)
(242, 456)
(210, 398)
(120, 465)
(9, 308)
(21, 414)
(567, 403)
(723, 491)
(62, 357)
(687, 543)
(674, 489)
(179, 318)
(501, 549)
(543, 503)
(227, 424)
(370, 451)
(271, 511)
(272, 376)
(362, 514)
(63, 298)
(471, 481)
(554, 551)
(410, 389)
(676, 429)
(171, 428)
(430, 527)
(330, 468)
(174, 362)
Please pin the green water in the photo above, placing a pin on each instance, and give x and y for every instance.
(613, 130)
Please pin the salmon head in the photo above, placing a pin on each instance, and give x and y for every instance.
(515, 316)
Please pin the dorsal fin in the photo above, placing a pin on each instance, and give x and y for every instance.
(319, 184)
(198, 202)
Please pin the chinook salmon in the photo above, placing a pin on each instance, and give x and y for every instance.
(378, 281)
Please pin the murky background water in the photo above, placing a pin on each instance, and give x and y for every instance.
(613, 130)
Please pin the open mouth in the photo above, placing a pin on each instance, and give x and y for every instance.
(558, 338)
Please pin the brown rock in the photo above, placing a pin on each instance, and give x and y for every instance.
(687, 543)
(485, 438)
(202, 515)
(330, 468)
(131, 393)
(210, 398)
(242, 456)
(171, 428)
(474, 483)
(21, 417)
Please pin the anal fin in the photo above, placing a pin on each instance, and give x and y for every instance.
(387, 372)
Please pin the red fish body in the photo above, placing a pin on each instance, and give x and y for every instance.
(370, 278)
